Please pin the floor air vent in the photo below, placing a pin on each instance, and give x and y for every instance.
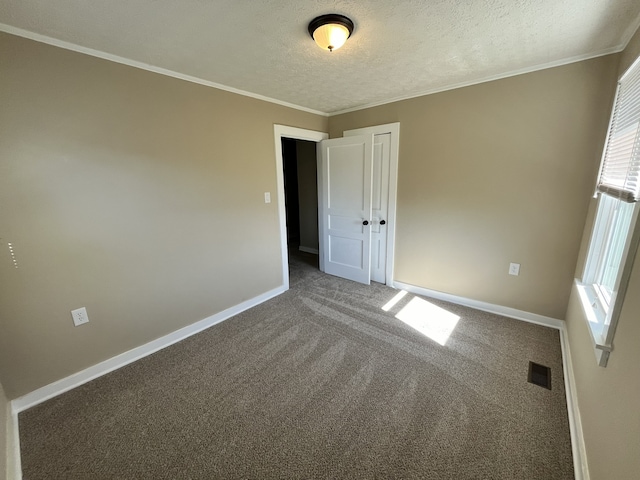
(539, 375)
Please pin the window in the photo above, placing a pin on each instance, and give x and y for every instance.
(614, 238)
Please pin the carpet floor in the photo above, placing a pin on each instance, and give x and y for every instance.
(319, 383)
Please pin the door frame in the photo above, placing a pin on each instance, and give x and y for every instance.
(283, 131)
(280, 132)
(394, 151)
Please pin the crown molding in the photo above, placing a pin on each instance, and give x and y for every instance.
(626, 38)
(145, 66)
(512, 73)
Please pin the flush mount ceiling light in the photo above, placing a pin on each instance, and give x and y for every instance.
(330, 31)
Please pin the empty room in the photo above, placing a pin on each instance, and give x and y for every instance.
(303, 239)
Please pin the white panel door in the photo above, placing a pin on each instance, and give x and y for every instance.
(346, 165)
(380, 206)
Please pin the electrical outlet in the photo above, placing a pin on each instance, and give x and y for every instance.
(514, 269)
(267, 197)
(79, 316)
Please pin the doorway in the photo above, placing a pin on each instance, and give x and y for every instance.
(301, 196)
(283, 132)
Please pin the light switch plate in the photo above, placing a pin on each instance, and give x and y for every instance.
(267, 197)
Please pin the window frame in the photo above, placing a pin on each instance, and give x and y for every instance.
(602, 313)
(603, 321)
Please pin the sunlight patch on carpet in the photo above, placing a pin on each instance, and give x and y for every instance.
(392, 303)
(429, 319)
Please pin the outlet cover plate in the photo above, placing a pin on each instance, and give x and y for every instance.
(514, 269)
(79, 316)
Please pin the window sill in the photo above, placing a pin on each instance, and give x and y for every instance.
(595, 319)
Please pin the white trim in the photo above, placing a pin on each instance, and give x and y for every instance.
(14, 466)
(319, 189)
(602, 325)
(578, 448)
(394, 152)
(484, 306)
(595, 322)
(315, 251)
(280, 132)
(72, 381)
(626, 38)
(500, 76)
(145, 66)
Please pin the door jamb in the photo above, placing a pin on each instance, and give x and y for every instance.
(394, 148)
(280, 132)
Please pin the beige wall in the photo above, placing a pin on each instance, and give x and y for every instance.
(496, 173)
(307, 193)
(609, 398)
(138, 196)
(630, 53)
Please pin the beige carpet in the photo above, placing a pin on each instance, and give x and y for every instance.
(319, 382)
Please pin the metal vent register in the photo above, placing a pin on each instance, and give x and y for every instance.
(539, 375)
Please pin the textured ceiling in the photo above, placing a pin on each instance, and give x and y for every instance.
(399, 49)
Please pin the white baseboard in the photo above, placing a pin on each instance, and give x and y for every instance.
(484, 306)
(56, 388)
(49, 391)
(14, 470)
(578, 448)
(315, 251)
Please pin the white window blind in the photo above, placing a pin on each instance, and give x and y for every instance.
(620, 169)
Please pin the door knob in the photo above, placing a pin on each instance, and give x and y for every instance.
(365, 222)
(382, 222)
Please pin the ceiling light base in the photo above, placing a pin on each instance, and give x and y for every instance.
(331, 31)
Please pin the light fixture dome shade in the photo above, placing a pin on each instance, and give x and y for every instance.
(331, 31)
